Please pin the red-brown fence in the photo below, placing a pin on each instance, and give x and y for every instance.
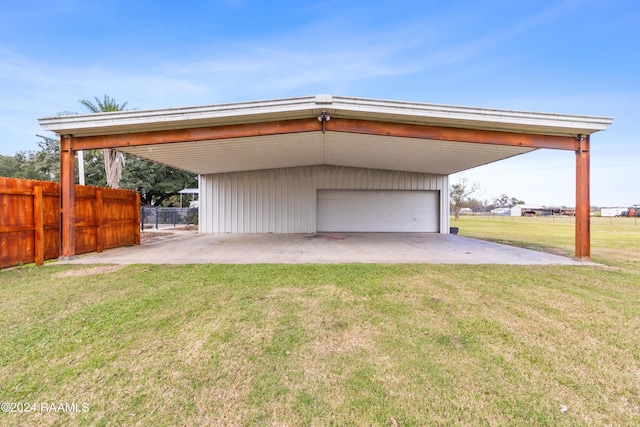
(30, 220)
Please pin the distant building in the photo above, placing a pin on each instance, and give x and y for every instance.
(501, 211)
(612, 211)
(194, 192)
(534, 210)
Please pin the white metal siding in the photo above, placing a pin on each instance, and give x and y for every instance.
(285, 200)
(378, 210)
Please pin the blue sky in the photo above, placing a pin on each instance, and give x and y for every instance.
(574, 56)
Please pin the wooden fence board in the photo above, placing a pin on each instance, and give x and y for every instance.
(30, 220)
(38, 223)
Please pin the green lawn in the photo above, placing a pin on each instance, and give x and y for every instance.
(332, 344)
(614, 241)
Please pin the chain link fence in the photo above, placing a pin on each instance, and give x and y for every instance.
(155, 217)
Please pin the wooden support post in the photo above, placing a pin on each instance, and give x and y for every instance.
(583, 205)
(99, 239)
(38, 222)
(67, 200)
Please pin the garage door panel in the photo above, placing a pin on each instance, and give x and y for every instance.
(378, 211)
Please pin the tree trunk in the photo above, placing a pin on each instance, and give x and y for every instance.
(113, 162)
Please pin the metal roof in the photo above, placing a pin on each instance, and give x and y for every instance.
(335, 148)
(189, 191)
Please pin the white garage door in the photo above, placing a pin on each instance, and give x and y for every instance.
(378, 211)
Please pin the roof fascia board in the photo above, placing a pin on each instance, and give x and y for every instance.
(184, 116)
(347, 107)
(492, 117)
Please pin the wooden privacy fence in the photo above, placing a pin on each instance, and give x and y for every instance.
(30, 220)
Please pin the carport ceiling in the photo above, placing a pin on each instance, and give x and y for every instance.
(330, 148)
(361, 133)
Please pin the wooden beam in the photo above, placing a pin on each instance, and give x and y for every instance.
(441, 133)
(195, 134)
(336, 124)
(583, 204)
(67, 200)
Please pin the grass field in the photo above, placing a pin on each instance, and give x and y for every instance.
(614, 241)
(331, 344)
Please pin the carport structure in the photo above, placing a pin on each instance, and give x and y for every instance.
(325, 163)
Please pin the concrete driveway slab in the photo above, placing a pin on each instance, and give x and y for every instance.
(326, 248)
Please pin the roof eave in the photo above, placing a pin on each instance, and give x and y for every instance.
(348, 107)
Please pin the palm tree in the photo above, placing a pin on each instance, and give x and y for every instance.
(113, 160)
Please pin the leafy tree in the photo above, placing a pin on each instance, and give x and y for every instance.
(46, 161)
(11, 166)
(155, 182)
(113, 160)
(477, 205)
(460, 195)
(94, 173)
(505, 201)
(515, 201)
(43, 164)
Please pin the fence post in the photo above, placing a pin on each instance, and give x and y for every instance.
(99, 240)
(157, 213)
(38, 222)
(137, 224)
